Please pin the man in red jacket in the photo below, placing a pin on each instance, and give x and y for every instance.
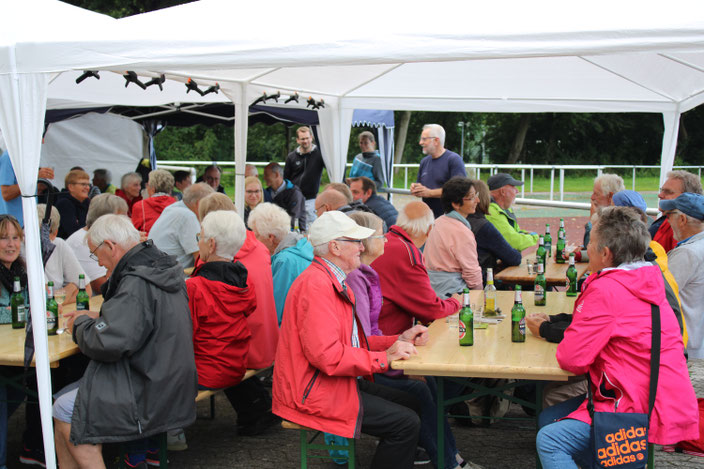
(405, 284)
(323, 351)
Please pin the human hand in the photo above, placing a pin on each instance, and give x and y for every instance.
(143, 236)
(417, 335)
(534, 320)
(46, 173)
(400, 350)
(70, 317)
(418, 189)
(458, 297)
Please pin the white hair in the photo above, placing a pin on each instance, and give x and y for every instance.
(417, 226)
(610, 183)
(103, 204)
(116, 228)
(54, 218)
(227, 229)
(321, 250)
(436, 130)
(196, 192)
(267, 218)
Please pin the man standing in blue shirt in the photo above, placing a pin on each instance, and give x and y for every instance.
(11, 202)
(436, 168)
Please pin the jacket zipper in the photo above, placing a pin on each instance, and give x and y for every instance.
(310, 386)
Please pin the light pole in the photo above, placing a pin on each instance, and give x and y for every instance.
(460, 125)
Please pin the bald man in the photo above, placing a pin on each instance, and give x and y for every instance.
(329, 200)
(404, 280)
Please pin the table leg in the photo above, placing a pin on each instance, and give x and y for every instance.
(441, 422)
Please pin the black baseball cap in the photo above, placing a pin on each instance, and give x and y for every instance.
(499, 180)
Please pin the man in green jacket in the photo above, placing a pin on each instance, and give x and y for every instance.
(503, 193)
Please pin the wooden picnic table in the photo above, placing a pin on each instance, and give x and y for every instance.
(555, 274)
(493, 355)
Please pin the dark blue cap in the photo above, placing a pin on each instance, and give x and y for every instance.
(629, 199)
(687, 203)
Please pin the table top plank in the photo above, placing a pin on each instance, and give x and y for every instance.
(555, 274)
(493, 355)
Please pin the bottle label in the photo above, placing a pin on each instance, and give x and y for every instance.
(50, 320)
(490, 304)
(463, 330)
(20, 313)
(539, 292)
(561, 235)
(522, 326)
(82, 306)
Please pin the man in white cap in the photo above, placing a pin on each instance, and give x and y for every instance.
(323, 350)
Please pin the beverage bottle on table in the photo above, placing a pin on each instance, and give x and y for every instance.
(541, 254)
(547, 239)
(489, 294)
(572, 278)
(540, 285)
(52, 311)
(518, 318)
(561, 243)
(82, 299)
(466, 321)
(17, 306)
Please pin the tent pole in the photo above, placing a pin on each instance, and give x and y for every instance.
(669, 143)
(241, 125)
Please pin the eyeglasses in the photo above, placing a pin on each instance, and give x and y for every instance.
(377, 237)
(317, 209)
(92, 253)
(252, 192)
(423, 139)
(358, 241)
(470, 197)
(84, 184)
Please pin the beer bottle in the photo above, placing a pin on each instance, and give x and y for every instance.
(82, 299)
(540, 285)
(547, 239)
(489, 294)
(17, 306)
(466, 321)
(518, 318)
(561, 243)
(52, 311)
(572, 278)
(541, 253)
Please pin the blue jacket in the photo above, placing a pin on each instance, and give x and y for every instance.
(383, 209)
(286, 265)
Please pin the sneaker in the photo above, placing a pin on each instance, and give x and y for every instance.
(176, 440)
(421, 457)
(32, 457)
(471, 465)
(153, 458)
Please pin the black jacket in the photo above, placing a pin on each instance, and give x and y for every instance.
(305, 171)
(290, 199)
(73, 214)
(142, 378)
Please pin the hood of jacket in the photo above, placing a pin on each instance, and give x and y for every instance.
(297, 244)
(226, 286)
(150, 264)
(641, 279)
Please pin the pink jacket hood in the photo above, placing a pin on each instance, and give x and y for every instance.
(609, 338)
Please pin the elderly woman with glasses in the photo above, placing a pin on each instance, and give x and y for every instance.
(253, 194)
(451, 249)
(73, 206)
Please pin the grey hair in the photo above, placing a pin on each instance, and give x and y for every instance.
(367, 220)
(103, 173)
(610, 183)
(196, 192)
(693, 222)
(623, 232)
(267, 218)
(275, 167)
(126, 178)
(104, 204)
(54, 218)
(417, 226)
(321, 250)
(436, 130)
(227, 229)
(690, 182)
(161, 180)
(116, 228)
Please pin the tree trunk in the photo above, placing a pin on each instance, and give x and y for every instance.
(520, 138)
(401, 134)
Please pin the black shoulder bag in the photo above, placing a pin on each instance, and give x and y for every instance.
(621, 438)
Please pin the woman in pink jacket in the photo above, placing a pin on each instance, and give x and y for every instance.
(610, 338)
(451, 250)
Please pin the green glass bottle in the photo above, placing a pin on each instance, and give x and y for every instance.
(572, 278)
(489, 294)
(539, 287)
(518, 318)
(547, 239)
(561, 243)
(52, 311)
(17, 306)
(466, 321)
(82, 298)
(541, 253)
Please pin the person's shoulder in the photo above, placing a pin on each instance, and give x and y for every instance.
(451, 155)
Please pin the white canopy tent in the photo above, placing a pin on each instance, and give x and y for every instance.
(628, 56)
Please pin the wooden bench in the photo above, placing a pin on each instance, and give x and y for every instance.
(203, 394)
(307, 445)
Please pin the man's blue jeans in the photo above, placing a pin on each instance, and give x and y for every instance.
(564, 443)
